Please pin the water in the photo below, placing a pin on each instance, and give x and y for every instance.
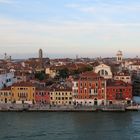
(70, 126)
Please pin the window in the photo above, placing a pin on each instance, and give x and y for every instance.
(102, 90)
(102, 72)
(96, 84)
(85, 84)
(85, 91)
(90, 84)
(106, 73)
(119, 96)
(103, 84)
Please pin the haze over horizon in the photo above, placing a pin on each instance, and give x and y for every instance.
(88, 28)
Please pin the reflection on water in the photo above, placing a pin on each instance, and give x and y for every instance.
(71, 126)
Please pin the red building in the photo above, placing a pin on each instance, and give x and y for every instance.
(118, 92)
(42, 96)
(89, 89)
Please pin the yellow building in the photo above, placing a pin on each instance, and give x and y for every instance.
(61, 96)
(23, 93)
(5, 95)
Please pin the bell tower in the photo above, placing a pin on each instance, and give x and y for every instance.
(119, 56)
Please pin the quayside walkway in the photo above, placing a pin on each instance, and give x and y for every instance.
(50, 108)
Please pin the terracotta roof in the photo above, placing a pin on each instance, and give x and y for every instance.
(23, 84)
(111, 83)
(122, 74)
(90, 75)
(6, 88)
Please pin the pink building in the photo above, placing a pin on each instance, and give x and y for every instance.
(42, 96)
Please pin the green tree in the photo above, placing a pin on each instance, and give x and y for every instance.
(40, 76)
(63, 73)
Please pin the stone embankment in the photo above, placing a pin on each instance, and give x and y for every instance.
(48, 108)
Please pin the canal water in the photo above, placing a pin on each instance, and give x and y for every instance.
(70, 126)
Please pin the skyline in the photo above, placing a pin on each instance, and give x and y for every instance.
(68, 28)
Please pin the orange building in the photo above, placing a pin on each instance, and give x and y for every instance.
(6, 95)
(118, 92)
(23, 92)
(89, 89)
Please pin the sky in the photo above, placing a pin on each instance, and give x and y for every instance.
(66, 28)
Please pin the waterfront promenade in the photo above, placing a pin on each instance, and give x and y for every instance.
(49, 108)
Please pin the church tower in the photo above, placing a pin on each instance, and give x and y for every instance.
(40, 58)
(40, 53)
(119, 56)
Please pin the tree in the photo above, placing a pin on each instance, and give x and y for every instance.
(40, 76)
(63, 73)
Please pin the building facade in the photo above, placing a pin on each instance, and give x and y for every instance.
(61, 96)
(119, 92)
(104, 71)
(121, 76)
(89, 89)
(6, 79)
(42, 96)
(6, 95)
(23, 93)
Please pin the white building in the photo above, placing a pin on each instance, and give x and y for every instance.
(104, 71)
(51, 72)
(6, 79)
(125, 77)
(134, 67)
(75, 87)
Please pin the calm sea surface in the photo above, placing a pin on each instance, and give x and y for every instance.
(70, 126)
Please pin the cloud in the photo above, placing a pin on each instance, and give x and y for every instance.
(6, 1)
(105, 7)
(82, 37)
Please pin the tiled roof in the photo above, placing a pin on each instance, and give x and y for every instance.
(23, 84)
(111, 83)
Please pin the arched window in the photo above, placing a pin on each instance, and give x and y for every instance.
(106, 73)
